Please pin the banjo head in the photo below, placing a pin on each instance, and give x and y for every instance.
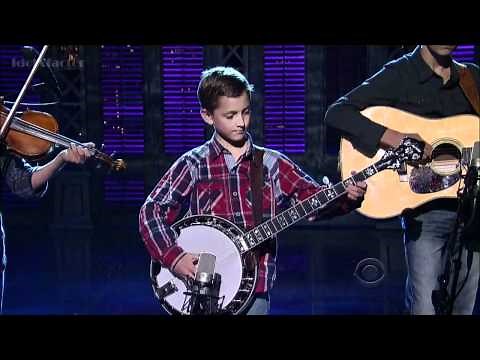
(216, 236)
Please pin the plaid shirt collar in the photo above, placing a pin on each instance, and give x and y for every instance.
(215, 149)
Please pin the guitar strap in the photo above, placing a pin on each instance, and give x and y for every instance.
(256, 184)
(469, 87)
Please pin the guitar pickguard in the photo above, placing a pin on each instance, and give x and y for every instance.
(424, 181)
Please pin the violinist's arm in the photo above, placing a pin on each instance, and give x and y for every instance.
(75, 155)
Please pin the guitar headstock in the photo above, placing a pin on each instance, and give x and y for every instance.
(410, 150)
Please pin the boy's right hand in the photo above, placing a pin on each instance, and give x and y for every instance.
(186, 266)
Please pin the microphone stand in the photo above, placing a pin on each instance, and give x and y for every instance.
(204, 295)
(442, 299)
(472, 200)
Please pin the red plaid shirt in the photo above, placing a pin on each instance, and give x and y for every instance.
(208, 180)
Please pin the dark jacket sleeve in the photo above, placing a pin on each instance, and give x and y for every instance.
(17, 174)
(382, 89)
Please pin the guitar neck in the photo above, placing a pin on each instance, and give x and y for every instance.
(303, 209)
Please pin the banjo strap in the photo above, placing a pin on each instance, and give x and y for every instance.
(256, 184)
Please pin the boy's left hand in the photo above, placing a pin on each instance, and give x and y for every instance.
(357, 192)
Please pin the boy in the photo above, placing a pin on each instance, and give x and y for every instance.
(214, 179)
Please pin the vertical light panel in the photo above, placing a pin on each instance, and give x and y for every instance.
(122, 87)
(124, 192)
(284, 114)
(122, 93)
(183, 127)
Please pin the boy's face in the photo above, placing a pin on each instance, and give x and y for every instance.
(231, 118)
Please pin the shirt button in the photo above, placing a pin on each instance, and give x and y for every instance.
(234, 193)
(237, 214)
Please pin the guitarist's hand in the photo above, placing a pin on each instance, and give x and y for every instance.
(186, 266)
(393, 139)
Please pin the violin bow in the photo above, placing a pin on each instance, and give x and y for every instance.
(13, 109)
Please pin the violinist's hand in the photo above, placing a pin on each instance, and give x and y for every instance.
(77, 154)
(74, 154)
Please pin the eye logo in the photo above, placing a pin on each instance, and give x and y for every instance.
(370, 272)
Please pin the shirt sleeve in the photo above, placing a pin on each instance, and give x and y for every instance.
(167, 203)
(296, 185)
(18, 177)
(382, 89)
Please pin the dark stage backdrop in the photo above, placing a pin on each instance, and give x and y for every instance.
(78, 251)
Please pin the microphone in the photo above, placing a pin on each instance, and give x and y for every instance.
(205, 267)
(205, 287)
(471, 198)
(472, 178)
(44, 71)
(475, 154)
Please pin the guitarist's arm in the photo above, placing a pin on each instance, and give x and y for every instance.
(382, 89)
(167, 203)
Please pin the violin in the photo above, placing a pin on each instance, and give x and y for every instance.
(34, 133)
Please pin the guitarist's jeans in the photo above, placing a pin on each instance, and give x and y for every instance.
(425, 237)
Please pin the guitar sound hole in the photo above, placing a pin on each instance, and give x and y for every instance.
(446, 159)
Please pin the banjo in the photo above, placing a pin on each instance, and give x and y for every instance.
(232, 248)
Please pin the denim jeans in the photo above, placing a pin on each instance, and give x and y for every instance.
(260, 305)
(3, 264)
(425, 239)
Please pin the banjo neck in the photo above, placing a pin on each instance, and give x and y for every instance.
(303, 209)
